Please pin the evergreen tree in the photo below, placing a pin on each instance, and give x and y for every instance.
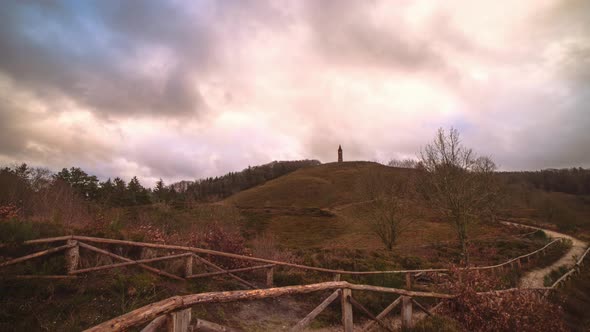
(106, 191)
(160, 191)
(119, 197)
(137, 194)
(86, 185)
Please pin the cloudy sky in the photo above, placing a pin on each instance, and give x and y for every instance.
(187, 89)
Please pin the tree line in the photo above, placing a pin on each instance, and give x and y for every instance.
(575, 181)
(27, 188)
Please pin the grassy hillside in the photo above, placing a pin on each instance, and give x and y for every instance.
(322, 186)
(325, 207)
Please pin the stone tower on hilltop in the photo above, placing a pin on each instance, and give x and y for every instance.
(340, 153)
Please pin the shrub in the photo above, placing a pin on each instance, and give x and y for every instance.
(540, 235)
(436, 324)
(411, 262)
(267, 246)
(508, 311)
(16, 231)
(8, 212)
(223, 239)
(555, 274)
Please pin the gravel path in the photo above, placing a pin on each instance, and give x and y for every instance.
(536, 277)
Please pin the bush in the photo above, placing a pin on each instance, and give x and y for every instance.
(8, 212)
(226, 240)
(15, 231)
(267, 246)
(555, 274)
(540, 235)
(411, 262)
(508, 311)
(436, 324)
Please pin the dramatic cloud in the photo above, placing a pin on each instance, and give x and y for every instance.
(188, 89)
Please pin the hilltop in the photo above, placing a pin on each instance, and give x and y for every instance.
(323, 186)
(326, 207)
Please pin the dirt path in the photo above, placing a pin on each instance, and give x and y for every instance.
(536, 277)
(532, 278)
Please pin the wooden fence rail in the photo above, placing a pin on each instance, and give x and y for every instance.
(575, 269)
(190, 254)
(179, 304)
(175, 312)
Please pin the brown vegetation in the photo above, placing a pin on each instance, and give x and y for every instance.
(508, 311)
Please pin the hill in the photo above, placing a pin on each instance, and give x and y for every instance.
(322, 186)
(327, 207)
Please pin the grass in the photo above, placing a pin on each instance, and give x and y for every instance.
(554, 275)
(436, 324)
(320, 186)
(69, 305)
(574, 297)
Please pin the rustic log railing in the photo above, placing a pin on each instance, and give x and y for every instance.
(193, 254)
(575, 269)
(176, 306)
(175, 312)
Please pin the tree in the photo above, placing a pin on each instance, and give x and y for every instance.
(137, 194)
(86, 185)
(119, 197)
(160, 191)
(461, 186)
(389, 219)
(105, 192)
(388, 202)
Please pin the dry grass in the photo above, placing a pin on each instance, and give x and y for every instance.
(320, 186)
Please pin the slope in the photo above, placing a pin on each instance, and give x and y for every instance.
(322, 186)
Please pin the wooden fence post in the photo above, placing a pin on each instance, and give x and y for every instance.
(336, 276)
(270, 276)
(406, 312)
(179, 321)
(347, 321)
(72, 256)
(519, 264)
(408, 281)
(188, 266)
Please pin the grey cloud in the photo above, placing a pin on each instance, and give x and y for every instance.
(89, 54)
(94, 54)
(13, 128)
(343, 30)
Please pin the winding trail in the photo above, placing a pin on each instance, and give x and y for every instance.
(535, 278)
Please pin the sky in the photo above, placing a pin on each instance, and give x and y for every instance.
(181, 90)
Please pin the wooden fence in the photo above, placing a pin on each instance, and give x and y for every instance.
(175, 312)
(575, 269)
(190, 255)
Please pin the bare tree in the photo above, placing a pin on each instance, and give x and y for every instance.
(390, 217)
(388, 200)
(403, 163)
(458, 183)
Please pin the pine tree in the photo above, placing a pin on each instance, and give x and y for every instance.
(160, 191)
